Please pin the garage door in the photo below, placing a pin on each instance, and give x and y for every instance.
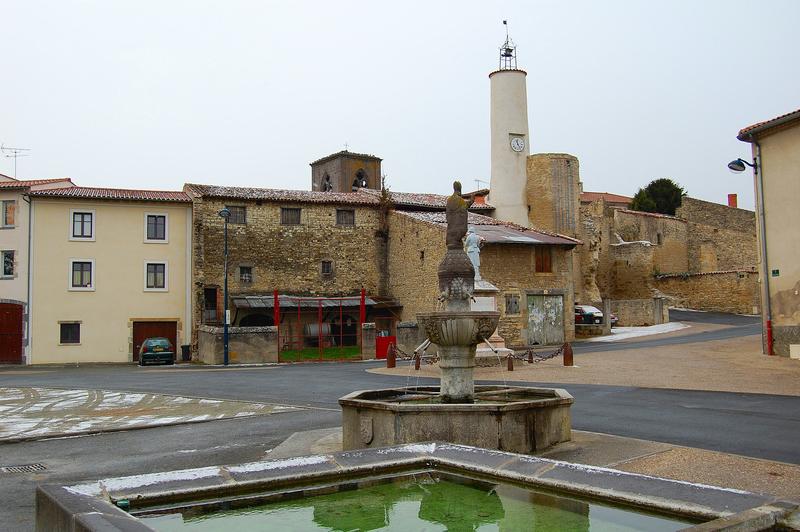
(10, 333)
(142, 330)
(545, 320)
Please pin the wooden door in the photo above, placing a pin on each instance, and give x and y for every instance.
(10, 333)
(545, 320)
(142, 330)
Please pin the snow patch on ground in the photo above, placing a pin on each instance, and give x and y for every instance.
(279, 464)
(623, 333)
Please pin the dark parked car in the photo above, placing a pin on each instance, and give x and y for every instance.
(587, 314)
(156, 350)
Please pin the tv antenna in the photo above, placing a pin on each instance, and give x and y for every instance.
(481, 181)
(14, 153)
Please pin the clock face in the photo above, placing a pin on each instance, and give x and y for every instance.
(517, 144)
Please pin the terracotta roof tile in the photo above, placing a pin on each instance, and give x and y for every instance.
(113, 194)
(345, 153)
(588, 197)
(497, 231)
(428, 201)
(745, 133)
(31, 182)
(269, 194)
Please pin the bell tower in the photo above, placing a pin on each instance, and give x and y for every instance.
(510, 142)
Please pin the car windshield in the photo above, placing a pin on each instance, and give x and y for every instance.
(158, 342)
(589, 308)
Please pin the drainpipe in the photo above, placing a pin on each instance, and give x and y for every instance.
(27, 198)
(758, 171)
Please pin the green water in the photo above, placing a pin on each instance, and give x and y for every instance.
(424, 503)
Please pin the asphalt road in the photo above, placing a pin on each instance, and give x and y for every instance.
(761, 426)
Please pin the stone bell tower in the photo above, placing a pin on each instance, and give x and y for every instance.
(510, 139)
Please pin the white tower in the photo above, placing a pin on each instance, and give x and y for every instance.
(510, 141)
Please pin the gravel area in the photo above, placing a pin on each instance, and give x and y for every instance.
(734, 365)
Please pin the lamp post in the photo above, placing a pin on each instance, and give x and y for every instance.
(738, 166)
(225, 213)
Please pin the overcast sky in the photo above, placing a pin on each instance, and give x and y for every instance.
(152, 94)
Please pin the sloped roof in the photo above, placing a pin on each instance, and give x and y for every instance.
(495, 231)
(345, 153)
(113, 194)
(422, 200)
(31, 182)
(747, 133)
(588, 197)
(271, 194)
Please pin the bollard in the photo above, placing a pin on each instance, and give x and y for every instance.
(391, 357)
(530, 356)
(510, 363)
(567, 354)
(416, 362)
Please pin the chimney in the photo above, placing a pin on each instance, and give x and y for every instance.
(732, 200)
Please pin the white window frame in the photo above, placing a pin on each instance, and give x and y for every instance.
(90, 288)
(3, 214)
(166, 275)
(166, 228)
(2, 263)
(94, 226)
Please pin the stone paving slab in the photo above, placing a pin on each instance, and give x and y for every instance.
(36, 413)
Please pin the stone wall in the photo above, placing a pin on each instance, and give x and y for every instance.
(415, 250)
(553, 192)
(286, 258)
(640, 312)
(667, 234)
(719, 238)
(633, 268)
(512, 270)
(732, 291)
(246, 345)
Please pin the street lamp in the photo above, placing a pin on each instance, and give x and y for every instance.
(738, 165)
(225, 214)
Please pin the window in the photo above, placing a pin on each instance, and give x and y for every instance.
(70, 333)
(246, 274)
(345, 217)
(82, 225)
(238, 214)
(155, 276)
(81, 271)
(7, 263)
(659, 240)
(9, 213)
(155, 228)
(326, 268)
(544, 259)
(512, 304)
(290, 216)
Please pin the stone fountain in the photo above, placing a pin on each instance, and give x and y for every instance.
(509, 418)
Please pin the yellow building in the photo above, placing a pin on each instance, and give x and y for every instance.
(776, 161)
(109, 268)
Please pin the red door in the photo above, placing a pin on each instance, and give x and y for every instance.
(10, 333)
(142, 330)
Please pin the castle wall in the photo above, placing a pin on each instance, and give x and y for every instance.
(667, 234)
(719, 237)
(731, 291)
(633, 267)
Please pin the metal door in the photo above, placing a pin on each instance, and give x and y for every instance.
(545, 320)
(10, 333)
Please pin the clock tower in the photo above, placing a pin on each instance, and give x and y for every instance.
(510, 141)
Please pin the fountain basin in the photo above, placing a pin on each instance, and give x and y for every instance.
(508, 418)
(468, 328)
